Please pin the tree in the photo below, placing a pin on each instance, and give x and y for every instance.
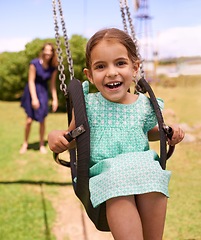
(13, 74)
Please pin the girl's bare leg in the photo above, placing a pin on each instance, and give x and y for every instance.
(28, 123)
(123, 218)
(152, 210)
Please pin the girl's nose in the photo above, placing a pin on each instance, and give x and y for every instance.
(112, 73)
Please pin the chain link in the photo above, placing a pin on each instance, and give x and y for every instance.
(62, 77)
(124, 5)
(66, 42)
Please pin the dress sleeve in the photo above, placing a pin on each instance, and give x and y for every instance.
(160, 103)
(85, 86)
(151, 119)
(34, 61)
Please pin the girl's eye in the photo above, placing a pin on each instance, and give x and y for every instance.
(121, 63)
(100, 66)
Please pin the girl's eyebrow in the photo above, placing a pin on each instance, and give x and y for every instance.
(122, 58)
(116, 59)
(97, 62)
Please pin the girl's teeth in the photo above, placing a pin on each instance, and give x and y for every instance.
(113, 85)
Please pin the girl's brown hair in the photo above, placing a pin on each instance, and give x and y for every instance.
(113, 34)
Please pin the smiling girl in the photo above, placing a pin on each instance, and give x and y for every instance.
(124, 172)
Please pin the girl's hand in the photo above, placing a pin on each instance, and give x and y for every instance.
(57, 142)
(35, 104)
(178, 135)
(54, 105)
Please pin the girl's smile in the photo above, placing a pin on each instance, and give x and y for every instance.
(114, 85)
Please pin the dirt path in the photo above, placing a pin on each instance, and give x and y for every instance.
(72, 223)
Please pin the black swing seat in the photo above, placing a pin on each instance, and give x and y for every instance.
(80, 156)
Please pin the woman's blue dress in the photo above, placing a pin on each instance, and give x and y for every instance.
(41, 82)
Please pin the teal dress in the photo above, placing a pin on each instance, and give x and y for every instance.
(121, 162)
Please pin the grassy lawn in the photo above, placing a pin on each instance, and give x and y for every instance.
(184, 206)
(29, 181)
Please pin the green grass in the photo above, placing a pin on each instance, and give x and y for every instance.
(185, 102)
(29, 181)
(184, 206)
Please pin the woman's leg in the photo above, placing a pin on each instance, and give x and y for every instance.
(152, 210)
(28, 123)
(123, 218)
(42, 134)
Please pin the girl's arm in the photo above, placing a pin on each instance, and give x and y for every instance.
(178, 135)
(54, 91)
(32, 87)
(56, 140)
(153, 134)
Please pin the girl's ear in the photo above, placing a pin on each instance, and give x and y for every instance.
(136, 66)
(87, 73)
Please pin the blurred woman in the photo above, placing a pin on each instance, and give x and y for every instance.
(35, 96)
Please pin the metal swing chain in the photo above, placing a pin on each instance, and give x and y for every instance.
(124, 4)
(123, 16)
(168, 131)
(62, 77)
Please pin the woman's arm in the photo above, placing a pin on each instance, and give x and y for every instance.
(32, 87)
(54, 91)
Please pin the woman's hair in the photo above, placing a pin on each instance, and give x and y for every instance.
(53, 61)
(111, 34)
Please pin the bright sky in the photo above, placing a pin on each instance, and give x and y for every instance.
(174, 30)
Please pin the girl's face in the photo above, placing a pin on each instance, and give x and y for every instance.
(112, 71)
